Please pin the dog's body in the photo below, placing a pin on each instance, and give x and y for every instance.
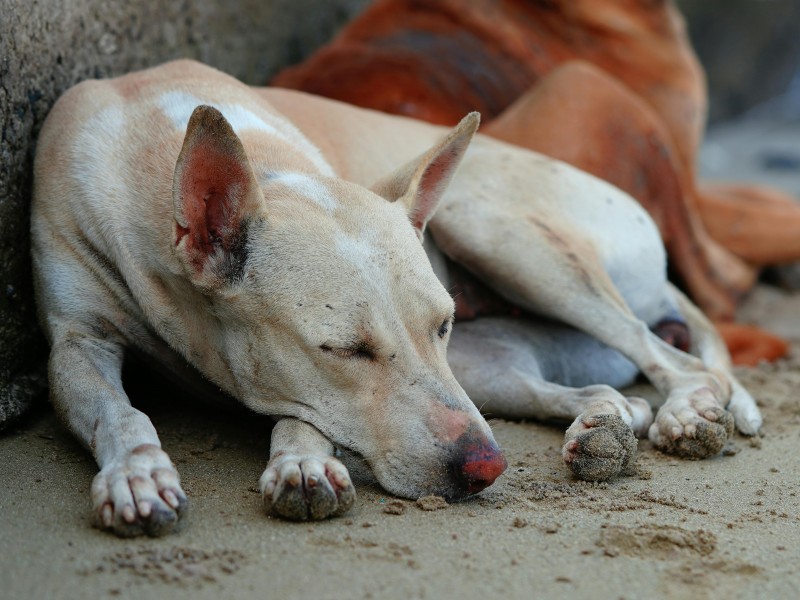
(237, 245)
(611, 87)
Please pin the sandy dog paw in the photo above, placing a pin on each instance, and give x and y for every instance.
(694, 428)
(139, 494)
(598, 447)
(304, 488)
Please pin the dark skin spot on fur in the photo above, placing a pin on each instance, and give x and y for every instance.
(674, 332)
(93, 443)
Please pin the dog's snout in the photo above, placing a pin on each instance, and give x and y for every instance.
(479, 463)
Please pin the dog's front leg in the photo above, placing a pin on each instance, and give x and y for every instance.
(303, 480)
(137, 489)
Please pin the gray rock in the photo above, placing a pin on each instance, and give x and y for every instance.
(46, 46)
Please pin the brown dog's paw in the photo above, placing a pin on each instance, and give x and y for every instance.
(302, 488)
(139, 494)
(692, 436)
(599, 447)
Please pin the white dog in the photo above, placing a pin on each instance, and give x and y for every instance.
(265, 243)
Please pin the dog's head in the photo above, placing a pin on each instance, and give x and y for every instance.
(329, 309)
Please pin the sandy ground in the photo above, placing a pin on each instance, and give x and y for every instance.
(724, 527)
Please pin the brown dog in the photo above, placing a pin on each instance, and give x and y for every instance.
(610, 86)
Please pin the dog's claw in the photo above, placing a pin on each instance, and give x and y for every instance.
(107, 515)
(599, 447)
(170, 498)
(304, 488)
(139, 494)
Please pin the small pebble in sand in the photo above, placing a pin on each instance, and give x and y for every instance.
(552, 528)
(431, 503)
(395, 507)
(520, 522)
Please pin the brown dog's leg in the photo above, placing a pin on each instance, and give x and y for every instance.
(759, 224)
(633, 150)
(749, 345)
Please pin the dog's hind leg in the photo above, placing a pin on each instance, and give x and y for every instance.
(556, 260)
(303, 481)
(522, 368)
(693, 422)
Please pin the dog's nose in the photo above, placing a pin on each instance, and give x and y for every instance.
(481, 462)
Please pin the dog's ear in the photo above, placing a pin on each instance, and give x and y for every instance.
(420, 184)
(214, 192)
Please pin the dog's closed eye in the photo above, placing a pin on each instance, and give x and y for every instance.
(360, 350)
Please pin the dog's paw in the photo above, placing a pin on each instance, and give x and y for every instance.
(697, 428)
(598, 447)
(139, 494)
(303, 488)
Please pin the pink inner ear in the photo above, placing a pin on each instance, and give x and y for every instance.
(212, 185)
(430, 188)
